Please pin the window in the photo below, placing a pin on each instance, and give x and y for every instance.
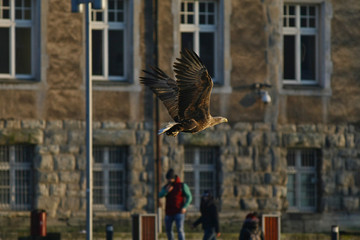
(200, 172)
(17, 39)
(16, 177)
(108, 41)
(301, 44)
(109, 177)
(198, 27)
(302, 179)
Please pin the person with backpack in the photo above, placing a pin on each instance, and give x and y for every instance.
(251, 229)
(209, 217)
(178, 197)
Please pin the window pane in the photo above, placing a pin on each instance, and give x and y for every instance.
(4, 187)
(211, 19)
(312, 22)
(190, 19)
(97, 52)
(202, 7)
(189, 180)
(18, 14)
(111, 4)
(291, 190)
(4, 154)
(22, 187)
(292, 22)
(303, 22)
(120, 16)
(190, 7)
(116, 53)
(4, 50)
(27, 14)
(207, 52)
(187, 40)
(115, 190)
(189, 155)
(23, 50)
(289, 57)
(308, 194)
(208, 155)
(97, 15)
(290, 157)
(182, 19)
(117, 154)
(206, 181)
(308, 158)
(5, 9)
(23, 154)
(116, 11)
(97, 154)
(111, 16)
(202, 19)
(211, 7)
(303, 11)
(291, 10)
(308, 57)
(98, 187)
(18, 3)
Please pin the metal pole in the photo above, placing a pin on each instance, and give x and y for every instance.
(157, 119)
(89, 196)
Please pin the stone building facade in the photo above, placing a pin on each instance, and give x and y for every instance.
(297, 156)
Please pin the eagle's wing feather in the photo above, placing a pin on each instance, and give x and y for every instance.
(165, 89)
(195, 84)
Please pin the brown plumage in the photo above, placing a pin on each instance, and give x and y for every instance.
(188, 98)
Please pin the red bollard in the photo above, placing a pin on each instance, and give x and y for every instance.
(38, 223)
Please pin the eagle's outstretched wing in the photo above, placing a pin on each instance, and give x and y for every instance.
(195, 84)
(165, 89)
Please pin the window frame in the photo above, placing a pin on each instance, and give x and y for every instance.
(223, 66)
(323, 86)
(12, 166)
(105, 167)
(196, 28)
(105, 26)
(298, 32)
(298, 170)
(12, 23)
(196, 168)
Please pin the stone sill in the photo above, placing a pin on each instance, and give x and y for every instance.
(305, 90)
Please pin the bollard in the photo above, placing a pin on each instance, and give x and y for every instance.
(334, 232)
(38, 223)
(109, 232)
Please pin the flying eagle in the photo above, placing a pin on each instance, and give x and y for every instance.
(188, 98)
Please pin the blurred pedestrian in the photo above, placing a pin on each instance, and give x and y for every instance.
(251, 229)
(209, 217)
(178, 197)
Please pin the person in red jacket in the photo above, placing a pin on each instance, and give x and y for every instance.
(178, 197)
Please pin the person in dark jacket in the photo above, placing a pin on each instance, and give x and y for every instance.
(209, 217)
(178, 197)
(251, 229)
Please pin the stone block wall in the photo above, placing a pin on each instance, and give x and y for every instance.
(253, 172)
(59, 165)
(252, 167)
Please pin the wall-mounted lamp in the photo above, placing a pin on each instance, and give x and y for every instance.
(257, 92)
(265, 97)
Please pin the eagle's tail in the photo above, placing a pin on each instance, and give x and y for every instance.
(166, 128)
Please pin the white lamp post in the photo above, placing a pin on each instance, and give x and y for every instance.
(75, 7)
